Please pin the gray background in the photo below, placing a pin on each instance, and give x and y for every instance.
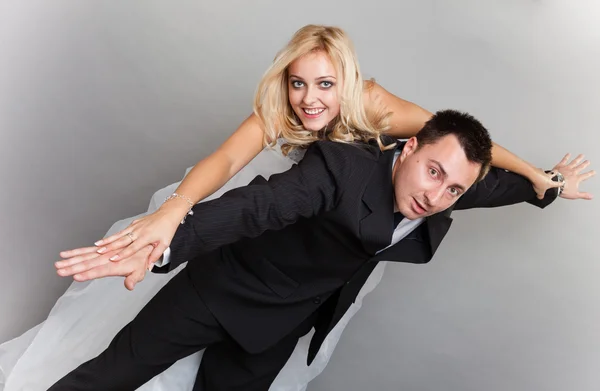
(104, 102)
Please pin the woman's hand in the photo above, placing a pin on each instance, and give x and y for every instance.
(93, 265)
(542, 181)
(206, 177)
(156, 229)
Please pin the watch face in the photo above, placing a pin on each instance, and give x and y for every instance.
(556, 178)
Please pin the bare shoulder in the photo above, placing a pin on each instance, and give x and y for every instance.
(371, 90)
(404, 117)
(376, 96)
(378, 101)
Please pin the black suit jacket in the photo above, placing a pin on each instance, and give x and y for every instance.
(266, 256)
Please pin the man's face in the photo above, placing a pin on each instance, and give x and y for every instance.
(429, 180)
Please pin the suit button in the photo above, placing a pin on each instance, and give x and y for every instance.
(317, 300)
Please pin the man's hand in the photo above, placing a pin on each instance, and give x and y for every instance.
(572, 177)
(87, 264)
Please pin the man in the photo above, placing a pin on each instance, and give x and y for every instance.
(270, 260)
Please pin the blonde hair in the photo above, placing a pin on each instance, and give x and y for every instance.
(272, 106)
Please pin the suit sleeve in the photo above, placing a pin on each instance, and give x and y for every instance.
(501, 188)
(307, 189)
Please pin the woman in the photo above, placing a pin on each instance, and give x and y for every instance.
(295, 127)
(318, 74)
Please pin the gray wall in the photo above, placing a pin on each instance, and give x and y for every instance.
(102, 103)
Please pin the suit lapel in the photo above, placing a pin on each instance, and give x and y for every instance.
(437, 227)
(420, 245)
(375, 228)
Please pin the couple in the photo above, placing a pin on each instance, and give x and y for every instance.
(269, 261)
(299, 95)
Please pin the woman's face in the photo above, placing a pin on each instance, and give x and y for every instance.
(312, 86)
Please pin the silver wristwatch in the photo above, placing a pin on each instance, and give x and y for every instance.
(558, 177)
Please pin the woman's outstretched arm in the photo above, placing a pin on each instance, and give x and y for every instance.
(206, 177)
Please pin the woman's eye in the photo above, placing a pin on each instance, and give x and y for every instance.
(326, 84)
(297, 84)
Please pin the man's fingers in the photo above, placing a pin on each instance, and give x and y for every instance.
(580, 167)
(75, 260)
(83, 266)
(576, 161)
(585, 195)
(564, 161)
(105, 270)
(132, 279)
(129, 283)
(587, 175)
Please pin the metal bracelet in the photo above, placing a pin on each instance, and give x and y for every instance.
(190, 212)
(558, 177)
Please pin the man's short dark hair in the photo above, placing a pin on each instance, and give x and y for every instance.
(472, 135)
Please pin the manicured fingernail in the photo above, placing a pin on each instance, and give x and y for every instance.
(103, 249)
(98, 243)
(114, 257)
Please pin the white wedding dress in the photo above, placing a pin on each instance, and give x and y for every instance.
(87, 316)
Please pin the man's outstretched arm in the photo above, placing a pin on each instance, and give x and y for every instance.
(307, 189)
(501, 187)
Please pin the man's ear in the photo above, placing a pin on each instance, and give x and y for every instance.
(409, 148)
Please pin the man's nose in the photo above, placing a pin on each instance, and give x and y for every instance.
(434, 196)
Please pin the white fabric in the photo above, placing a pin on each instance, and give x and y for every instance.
(87, 316)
